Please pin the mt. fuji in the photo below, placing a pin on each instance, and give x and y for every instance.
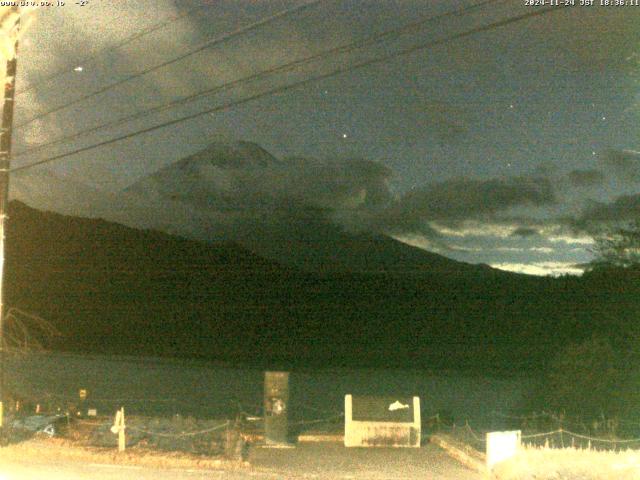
(317, 215)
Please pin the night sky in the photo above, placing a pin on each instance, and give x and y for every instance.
(508, 147)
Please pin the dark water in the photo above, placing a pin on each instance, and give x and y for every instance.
(149, 386)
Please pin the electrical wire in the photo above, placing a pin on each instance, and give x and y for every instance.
(284, 88)
(70, 67)
(347, 48)
(208, 44)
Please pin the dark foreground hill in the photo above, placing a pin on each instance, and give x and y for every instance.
(322, 247)
(112, 289)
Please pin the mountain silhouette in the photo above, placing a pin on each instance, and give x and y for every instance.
(241, 180)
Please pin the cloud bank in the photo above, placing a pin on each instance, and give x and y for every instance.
(525, 223)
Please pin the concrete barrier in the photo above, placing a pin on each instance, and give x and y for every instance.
(465, 454)
(381, 421)
(501, 446)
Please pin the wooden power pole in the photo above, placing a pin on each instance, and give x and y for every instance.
(5, 165)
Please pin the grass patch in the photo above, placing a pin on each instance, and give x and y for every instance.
(176, 442)
(543, 463)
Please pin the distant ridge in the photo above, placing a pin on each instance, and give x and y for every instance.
(326, 248)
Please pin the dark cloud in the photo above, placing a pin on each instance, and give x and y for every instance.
(462, 199)
(524, 232)
(337, 184)
(625, 164)
(599, 42)
(600, 37)
(245, 184)
(586, 178)
(625, 208)
(545, 169)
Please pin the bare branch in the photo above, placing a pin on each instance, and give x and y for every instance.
(24, 331)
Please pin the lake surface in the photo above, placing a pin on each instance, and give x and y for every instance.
(151, 386)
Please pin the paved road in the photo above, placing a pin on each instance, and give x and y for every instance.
(333, 461)
(76, 471)
(322, 461)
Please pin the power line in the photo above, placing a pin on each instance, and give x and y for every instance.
(284, 88)
(200, 48)
(69, 68)
(358, 44)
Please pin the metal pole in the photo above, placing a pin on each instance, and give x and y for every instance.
(5, 164)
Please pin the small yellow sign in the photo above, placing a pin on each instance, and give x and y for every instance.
(83, 394)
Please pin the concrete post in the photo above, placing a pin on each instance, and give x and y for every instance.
(276, 408)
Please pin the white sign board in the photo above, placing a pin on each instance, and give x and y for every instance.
(381, 421)
(502, 446)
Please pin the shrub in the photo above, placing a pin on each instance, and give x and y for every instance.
(591, 380)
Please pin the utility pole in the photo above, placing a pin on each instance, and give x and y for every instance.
(5, 165)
